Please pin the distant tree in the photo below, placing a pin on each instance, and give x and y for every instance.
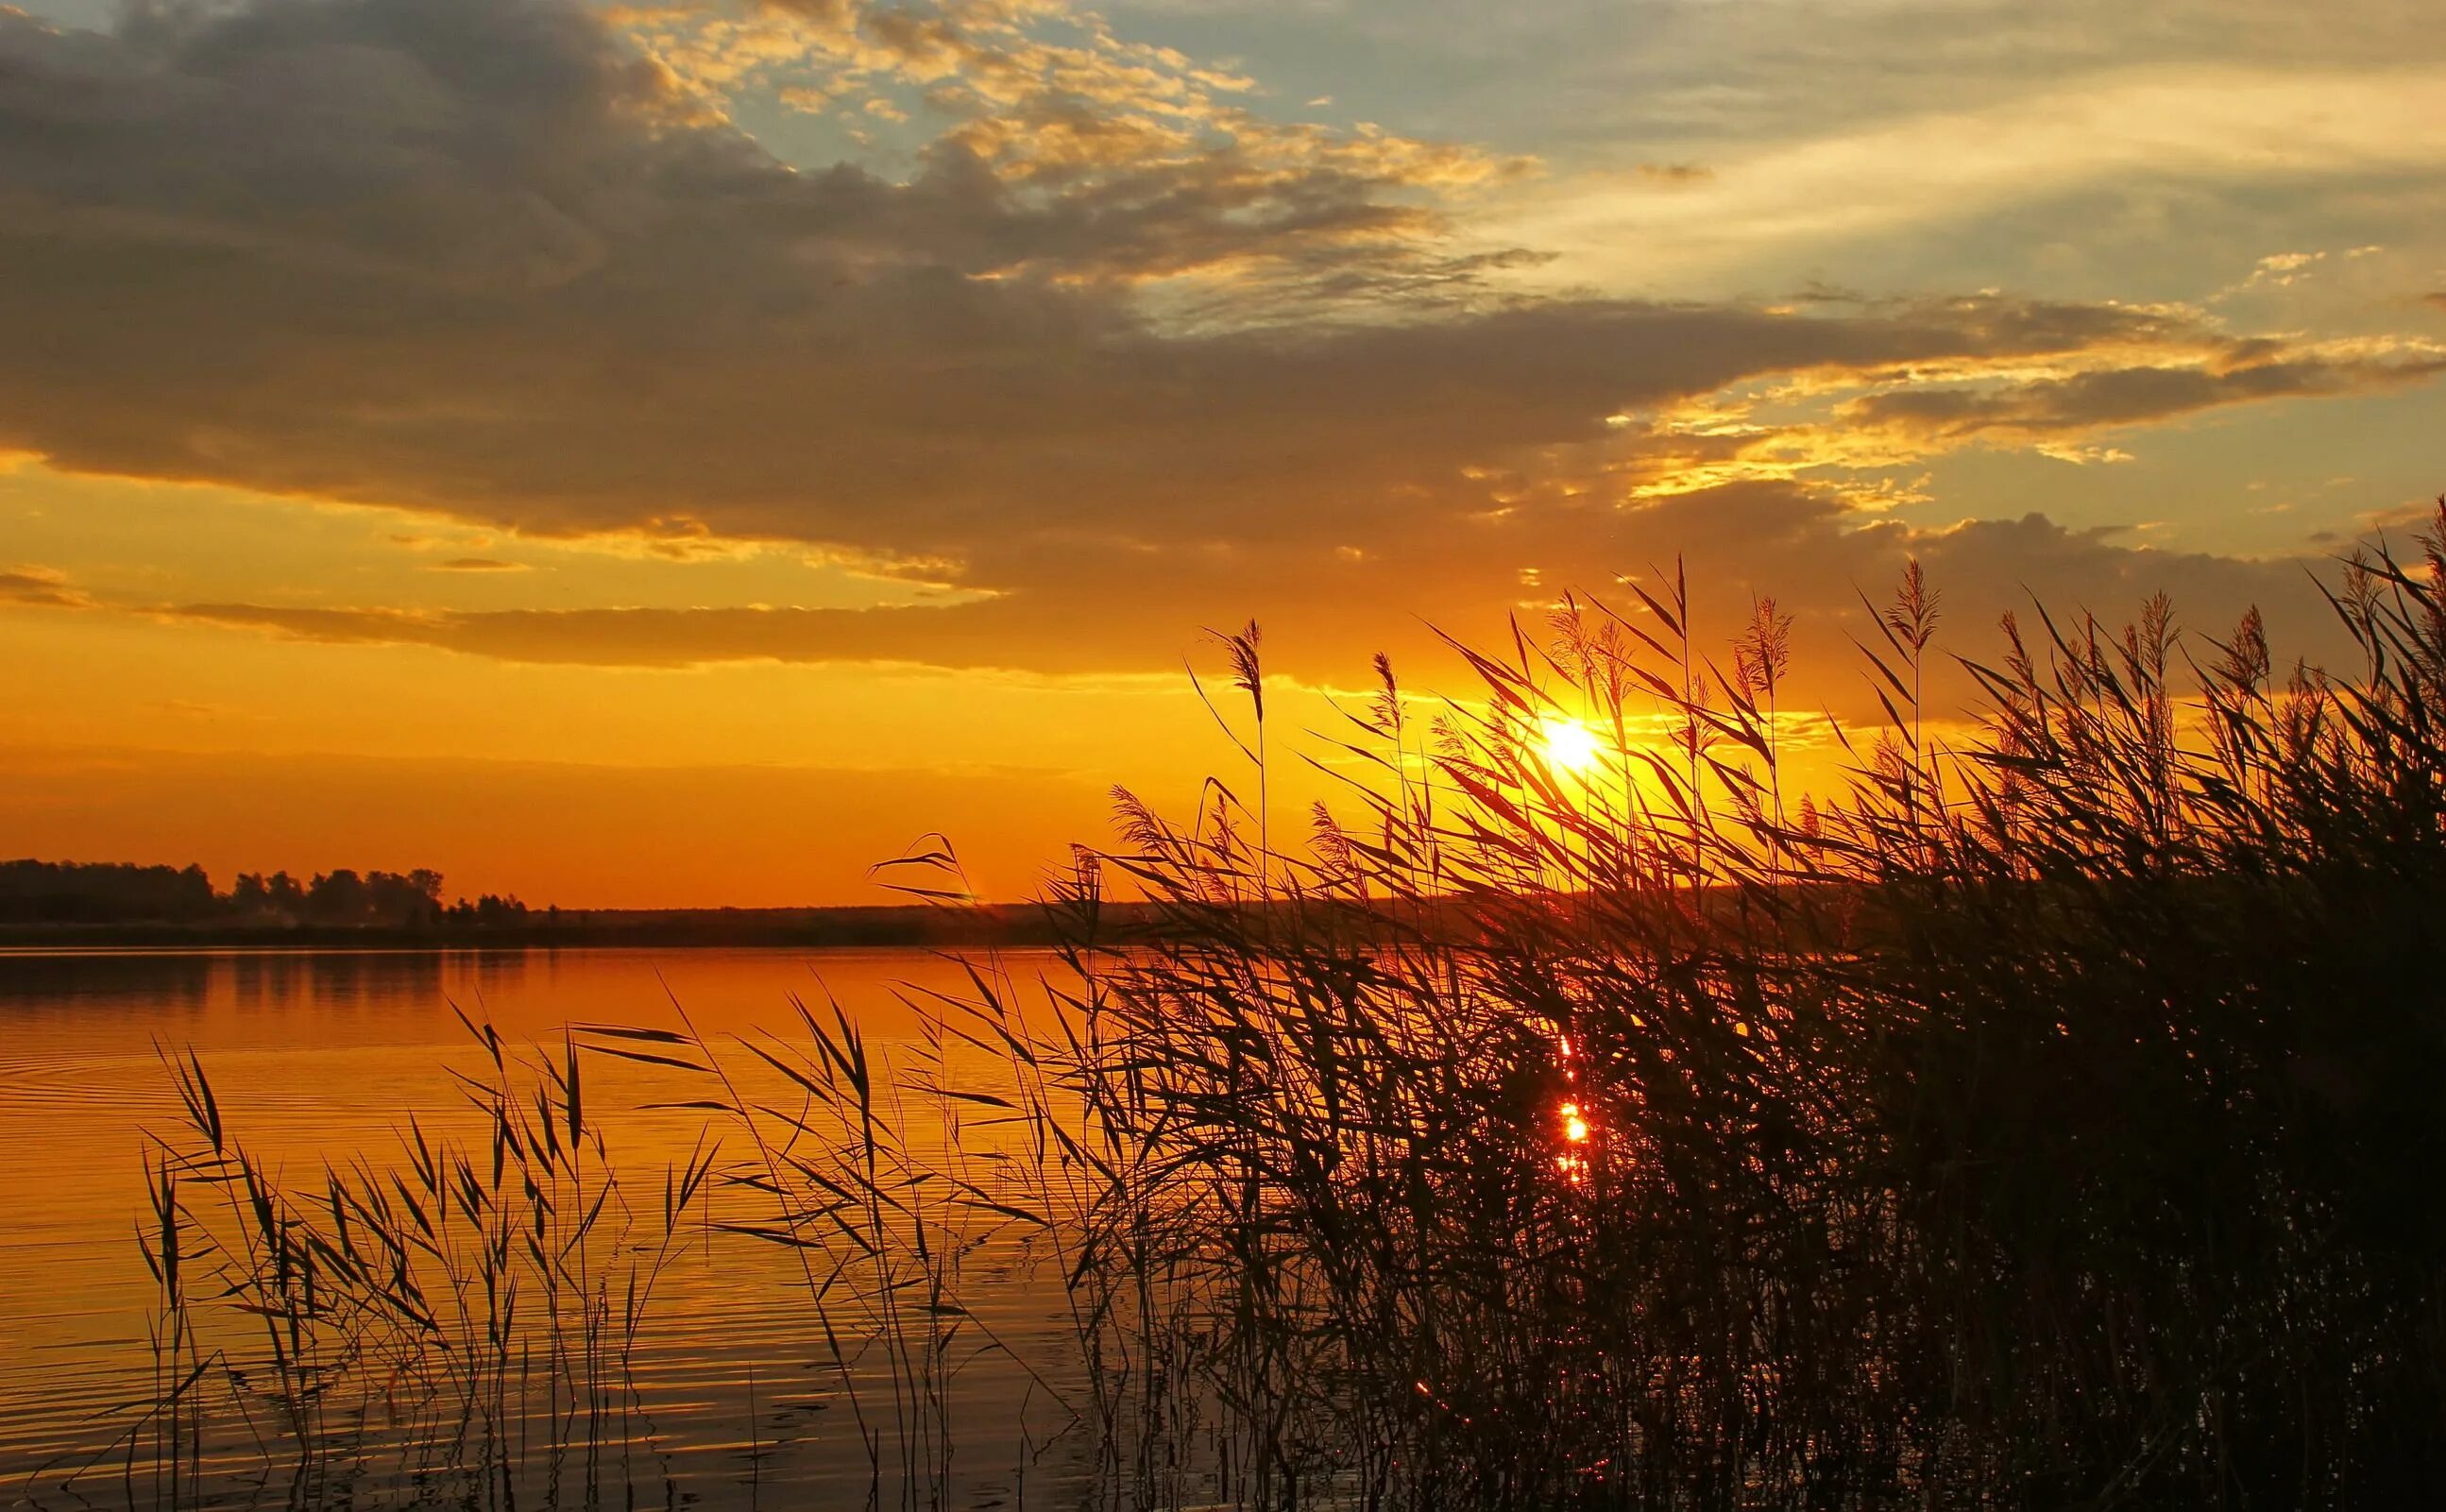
(411, 901)
(491, 911)
(336, 897)
(103, 892)
(115, 893)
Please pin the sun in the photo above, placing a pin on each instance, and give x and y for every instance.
(1571, 745)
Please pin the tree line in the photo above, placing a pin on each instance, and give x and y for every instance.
(36, 892)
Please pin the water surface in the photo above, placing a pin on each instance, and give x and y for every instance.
(322, 1055)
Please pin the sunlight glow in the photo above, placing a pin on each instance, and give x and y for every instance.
(1571, 745)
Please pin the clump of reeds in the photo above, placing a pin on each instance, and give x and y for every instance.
(2041, 1119)
(2045, 1119)
(471, 1307)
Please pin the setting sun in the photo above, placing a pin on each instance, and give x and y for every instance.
(1571, 745)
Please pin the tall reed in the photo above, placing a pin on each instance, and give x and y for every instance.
(471, 1307)
(2041, 1118)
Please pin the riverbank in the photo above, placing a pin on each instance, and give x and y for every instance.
(805, 928)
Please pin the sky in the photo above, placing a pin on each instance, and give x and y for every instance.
(681, 454)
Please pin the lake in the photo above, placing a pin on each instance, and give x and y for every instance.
(322, 1056)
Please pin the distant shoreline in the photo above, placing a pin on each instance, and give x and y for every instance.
(909, 925)
(912, 926)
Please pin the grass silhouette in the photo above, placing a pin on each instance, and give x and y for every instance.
(2042, 1120)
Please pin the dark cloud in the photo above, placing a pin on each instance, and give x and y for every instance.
(40, 588)
(1322, 614)
(479, 564)
(483, 258)
(2125, 396)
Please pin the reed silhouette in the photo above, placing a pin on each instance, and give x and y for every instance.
(2043, 1119)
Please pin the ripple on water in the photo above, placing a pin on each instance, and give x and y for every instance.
(316, 1057)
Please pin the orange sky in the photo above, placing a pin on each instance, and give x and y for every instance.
(681, 454)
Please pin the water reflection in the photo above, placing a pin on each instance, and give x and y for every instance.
(105, 980)
(324, 1054)
(141, 982)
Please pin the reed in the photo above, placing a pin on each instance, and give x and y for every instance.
(2037, 1122)
(2043, 1119)
(468, 1309)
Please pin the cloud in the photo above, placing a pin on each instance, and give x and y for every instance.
(1139, 161)
(480, 565)
(40, 588)
(618, 637)
(1324, 612)
(2283, 270)
(469, 260)
(2132, 395)
(1918, 155)
(489, 259)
